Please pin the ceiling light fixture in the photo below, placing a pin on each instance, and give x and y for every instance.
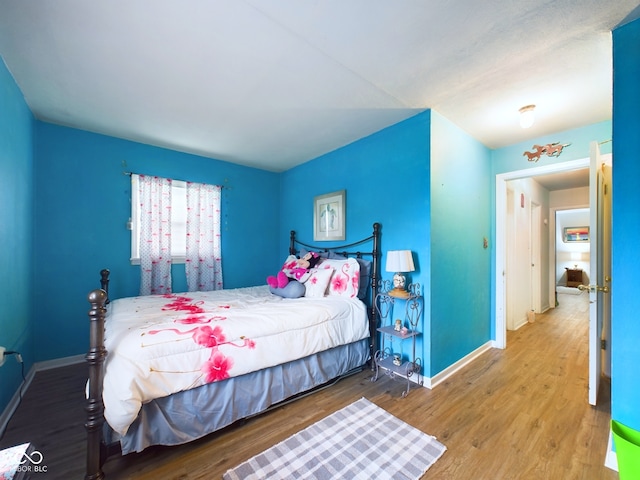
(527, 116)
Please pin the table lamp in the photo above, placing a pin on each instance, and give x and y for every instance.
(399, 262)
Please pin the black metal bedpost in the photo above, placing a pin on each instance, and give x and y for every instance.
(104, 282)
(292, 242)
(95, 408)
(375, 279)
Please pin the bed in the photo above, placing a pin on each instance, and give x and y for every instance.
(169, 369)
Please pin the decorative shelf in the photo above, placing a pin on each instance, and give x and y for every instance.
(391, 352)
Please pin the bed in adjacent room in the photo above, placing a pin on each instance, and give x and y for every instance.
(168, 369)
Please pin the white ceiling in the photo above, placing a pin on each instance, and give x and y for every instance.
(274, 83)
(564, 180)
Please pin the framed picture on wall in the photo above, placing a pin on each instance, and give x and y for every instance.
(576, 234)
(329, 216)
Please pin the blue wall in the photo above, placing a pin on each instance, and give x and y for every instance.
(82, 204)
(625, 321)
(511, 158)
(407, 177)
(460, 264)
(16, 207)
(386, 178)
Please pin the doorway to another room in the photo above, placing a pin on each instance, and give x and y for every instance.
(520, 196)
(572, 251)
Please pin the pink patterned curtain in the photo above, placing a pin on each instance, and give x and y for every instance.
(203, 261)
(155, 234)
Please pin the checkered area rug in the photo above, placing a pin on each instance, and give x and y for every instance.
(361, 441)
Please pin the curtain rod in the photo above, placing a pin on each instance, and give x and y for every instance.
(174, 179)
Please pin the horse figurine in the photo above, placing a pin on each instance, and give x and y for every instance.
(550, 150)
(554, 149)
(534, 156)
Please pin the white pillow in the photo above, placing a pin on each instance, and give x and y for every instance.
(316, 284)
(346, 276)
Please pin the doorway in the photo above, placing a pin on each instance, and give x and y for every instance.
(502, 248)
(572, 255)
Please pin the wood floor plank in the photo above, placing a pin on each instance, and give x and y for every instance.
(518, 413)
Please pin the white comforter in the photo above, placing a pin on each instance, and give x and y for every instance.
(161, 344)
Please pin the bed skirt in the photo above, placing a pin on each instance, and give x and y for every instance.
(192, 414)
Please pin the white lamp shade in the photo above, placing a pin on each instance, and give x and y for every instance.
(400, 261)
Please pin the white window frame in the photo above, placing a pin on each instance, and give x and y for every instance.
(178, 221)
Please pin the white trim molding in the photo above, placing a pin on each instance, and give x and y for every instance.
(431, 382)
(611, 460)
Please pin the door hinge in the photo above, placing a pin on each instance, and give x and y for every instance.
(603, 344)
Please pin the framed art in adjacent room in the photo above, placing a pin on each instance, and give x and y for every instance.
(576, 234)
(329, 216)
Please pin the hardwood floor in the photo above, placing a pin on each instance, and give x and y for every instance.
(518, 413)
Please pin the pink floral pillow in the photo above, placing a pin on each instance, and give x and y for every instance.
(346, 276)
(316, 284)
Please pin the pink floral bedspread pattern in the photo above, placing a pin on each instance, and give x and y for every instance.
(161, 344)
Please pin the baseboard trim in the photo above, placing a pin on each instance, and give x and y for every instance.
(611, 460)
(431, 382)
(59, 362)
(522, 323)
(10, 409)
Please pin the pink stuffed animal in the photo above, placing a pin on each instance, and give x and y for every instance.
(298, 269)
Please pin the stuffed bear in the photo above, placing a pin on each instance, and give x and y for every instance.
(297, 269)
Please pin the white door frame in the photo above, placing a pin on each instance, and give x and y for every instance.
(501, 239)
(535, 219)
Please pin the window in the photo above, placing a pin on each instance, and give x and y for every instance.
(175, 222)
(178, 221)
